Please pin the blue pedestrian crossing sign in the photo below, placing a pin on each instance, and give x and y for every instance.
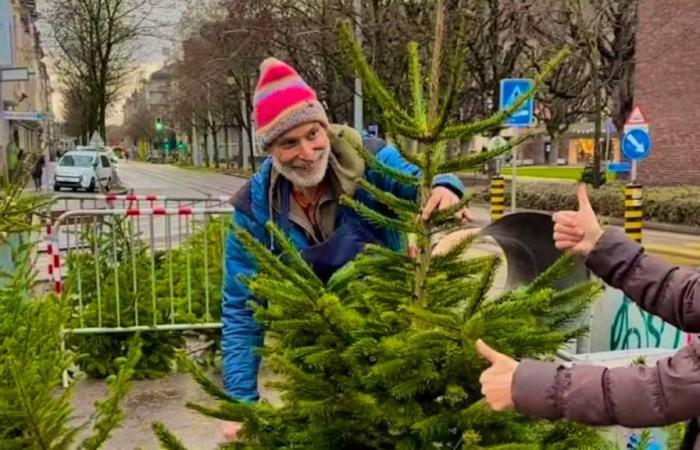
(511, 90)
(636, 143)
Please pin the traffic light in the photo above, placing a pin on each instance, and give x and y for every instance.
(181, 146)
(159, 124)
(166, 146)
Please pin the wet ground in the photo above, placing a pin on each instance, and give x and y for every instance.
(151, 401)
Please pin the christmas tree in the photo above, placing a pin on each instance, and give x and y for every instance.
(34, 412)
(382, 355)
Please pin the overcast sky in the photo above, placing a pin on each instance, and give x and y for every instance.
(149, 57)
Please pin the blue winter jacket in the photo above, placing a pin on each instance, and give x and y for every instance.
(241, 334)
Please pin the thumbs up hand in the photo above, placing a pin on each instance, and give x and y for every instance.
(577, 231)
(496, 381)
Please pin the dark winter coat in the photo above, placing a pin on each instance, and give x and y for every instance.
(635, 396)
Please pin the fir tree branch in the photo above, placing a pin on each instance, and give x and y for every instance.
(374, 86)
(109, 413)
(455, 80)
(435, 65)
(234, 412)
(406, 209)
(449, 322)
(475, 160)
(479, 294)
(496, 120)
(440, 261)
(561, 268)
(296, 261)
(414, 75)
(189, 366)
(377, 218)
(166, 438)
(268, 262)
(447, 215)
(382, 168)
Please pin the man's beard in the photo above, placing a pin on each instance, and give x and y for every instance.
(304, 178)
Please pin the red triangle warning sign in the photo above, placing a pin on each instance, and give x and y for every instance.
(636, 117)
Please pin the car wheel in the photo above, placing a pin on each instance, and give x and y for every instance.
(91, 188)
(56, 187)
(108, 186)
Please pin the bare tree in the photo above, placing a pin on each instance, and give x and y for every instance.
(93, 42)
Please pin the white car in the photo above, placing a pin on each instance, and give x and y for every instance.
(80, 169)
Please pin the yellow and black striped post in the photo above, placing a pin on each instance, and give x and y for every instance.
(498, 197)
(633, 212)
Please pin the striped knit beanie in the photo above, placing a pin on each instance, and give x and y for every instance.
(282, 102)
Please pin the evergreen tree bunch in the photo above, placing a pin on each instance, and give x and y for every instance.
(382, 355)
(35, 413)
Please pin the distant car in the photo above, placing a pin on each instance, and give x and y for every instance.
(83, 169)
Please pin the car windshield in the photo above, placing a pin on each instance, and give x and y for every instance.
(77, 161)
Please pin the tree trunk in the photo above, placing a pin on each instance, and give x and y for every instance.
(241, 156)
(215, 144)
(251, 148)
(227, 150)
(206, 147)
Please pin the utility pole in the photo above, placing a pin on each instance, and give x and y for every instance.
(357, 107)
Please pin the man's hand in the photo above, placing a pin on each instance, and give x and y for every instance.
(230, 431)
(496, 381)
(577, 231)
(443, 198)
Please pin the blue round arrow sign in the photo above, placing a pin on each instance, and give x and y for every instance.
(636, 143)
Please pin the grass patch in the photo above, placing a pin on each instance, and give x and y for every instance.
(561, 173)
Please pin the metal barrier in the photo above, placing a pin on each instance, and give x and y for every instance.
(121, 276)
(65, 203)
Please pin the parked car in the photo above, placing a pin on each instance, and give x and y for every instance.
(81, 169)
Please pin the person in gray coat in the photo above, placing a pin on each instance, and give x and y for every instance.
(636, 396)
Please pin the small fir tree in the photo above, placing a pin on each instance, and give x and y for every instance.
(34, 412)
(382, 355)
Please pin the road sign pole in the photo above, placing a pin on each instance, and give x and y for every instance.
(513, 177)
(4, 139)
(633, 172)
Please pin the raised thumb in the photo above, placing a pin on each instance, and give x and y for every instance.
(584, 204)
(487, 352)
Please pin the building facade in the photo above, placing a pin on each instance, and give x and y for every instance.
(20, 47)
(667, 80)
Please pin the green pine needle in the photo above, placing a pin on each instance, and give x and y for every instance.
(371, 82)
(407, 209)
(189, 366)
(377, 218)
(390, 172)
(297, 263)
(414, 74)
(167, 440)
(472, 161)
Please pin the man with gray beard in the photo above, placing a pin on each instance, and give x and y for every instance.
(299, 187)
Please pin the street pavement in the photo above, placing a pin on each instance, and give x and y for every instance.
(161, 179)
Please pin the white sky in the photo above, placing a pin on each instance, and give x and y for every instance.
(149, 58)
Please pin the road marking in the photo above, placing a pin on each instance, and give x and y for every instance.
(675, 254)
